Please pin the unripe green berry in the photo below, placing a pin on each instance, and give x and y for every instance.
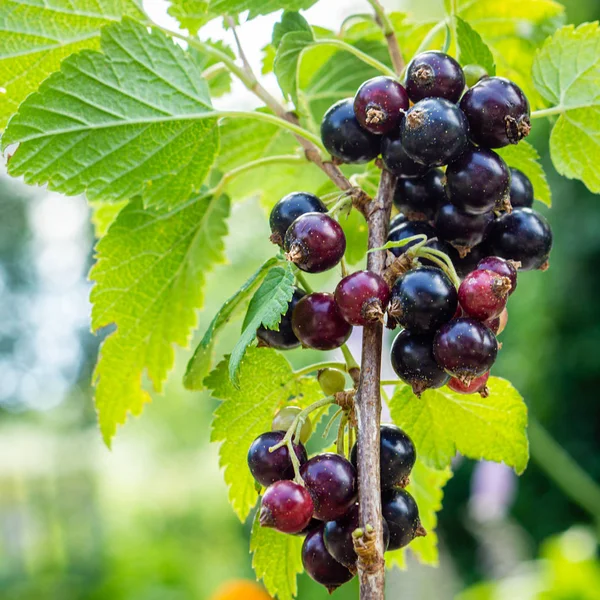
(473, 73)
(284, 418)
(331, 381)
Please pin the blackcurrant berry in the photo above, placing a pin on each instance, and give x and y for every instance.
(483, 294)
(331, 481)
(477, 385)
(468, 262)
(379, 104)
(523, 236)
(434, 75)
(315, 242)
(413, 361)
(473, 74)
(521, 189)
(284, 339)
(400, 511)
(397, 220)
(465, 348)
(268, 467)
(397, 456)
(505, 268)
(320, 565)
(396, 160)
(318, 323)
(478, 182)
(344, 138)
(434, 132)
(286, 506)
(423, 299)
(459, 228)
(338, 539)
(331, 381)
(419, 198)
(362, 297)
(284, 418)
(497, 111)
(312, 525)
(288, 209)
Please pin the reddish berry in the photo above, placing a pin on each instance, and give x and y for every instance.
(472, 387)
(318, 323)
(288, 209)
(379, 104)
(505, 268)
(498, 324)
(315, 242)
(362, 297)
(483, 294)
(287, 507)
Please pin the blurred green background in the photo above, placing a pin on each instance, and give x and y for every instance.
(150, 519)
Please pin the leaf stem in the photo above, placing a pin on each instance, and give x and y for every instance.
(442, 260)
(340, 435)
(424, 45)
(340, 366)
(302, 281)
(453, 12)
(391, 382)
(559, 466)
(547, 112)
(352, 366)
(382, 19)
(366, 58)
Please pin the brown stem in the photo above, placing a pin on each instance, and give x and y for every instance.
(390, 36)
(371, 566)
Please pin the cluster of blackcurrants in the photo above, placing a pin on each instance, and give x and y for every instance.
(323, 506)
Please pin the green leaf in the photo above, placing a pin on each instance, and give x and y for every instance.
(220, 83)
(266, 382)
(36, 36)
(427, 488)
(104, 215)
(357, 237)
(109, 124)
(150, 275)
(191, 14)
(290, 21)
(567, 73)
(442, 422)
(287, 59)
(524, 156)
(266, 307)
(277, 560)
(473, 50)
(200, 364)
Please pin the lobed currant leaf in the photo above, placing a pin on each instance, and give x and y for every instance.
(287, 60)
(443, 422)
(268, 304)
(200, 363)
(473, 50)
(149, 282)
(525, 157)
(290, 22)
(104, 215)
(109, 123)
(567, 73)
(36, 36)
(266, 382)
(276, 559)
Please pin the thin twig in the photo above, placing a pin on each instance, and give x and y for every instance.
(384, 22)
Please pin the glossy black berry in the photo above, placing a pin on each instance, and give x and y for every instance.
(286, 506)
(420, 197)
(268, 467)
(524, 236)
(315, 242)
(459, 228)
(284, 339)
(501, 266)
(379, 104)
(423, 299)
(288, 209)
(400, 511)
(331, 481)
(344, 138)
(478, 181)
(413, 361)
(468, 263)
(397, 456)
(434, 132)
(396, 160)
(338, 539)
(521, 189)
(318, 323)
(397, 220)
(497, 111)
(465, 348)
(320, 565)
(362, 297)
(434, 75)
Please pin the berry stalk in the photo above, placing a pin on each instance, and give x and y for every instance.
(371, 568)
